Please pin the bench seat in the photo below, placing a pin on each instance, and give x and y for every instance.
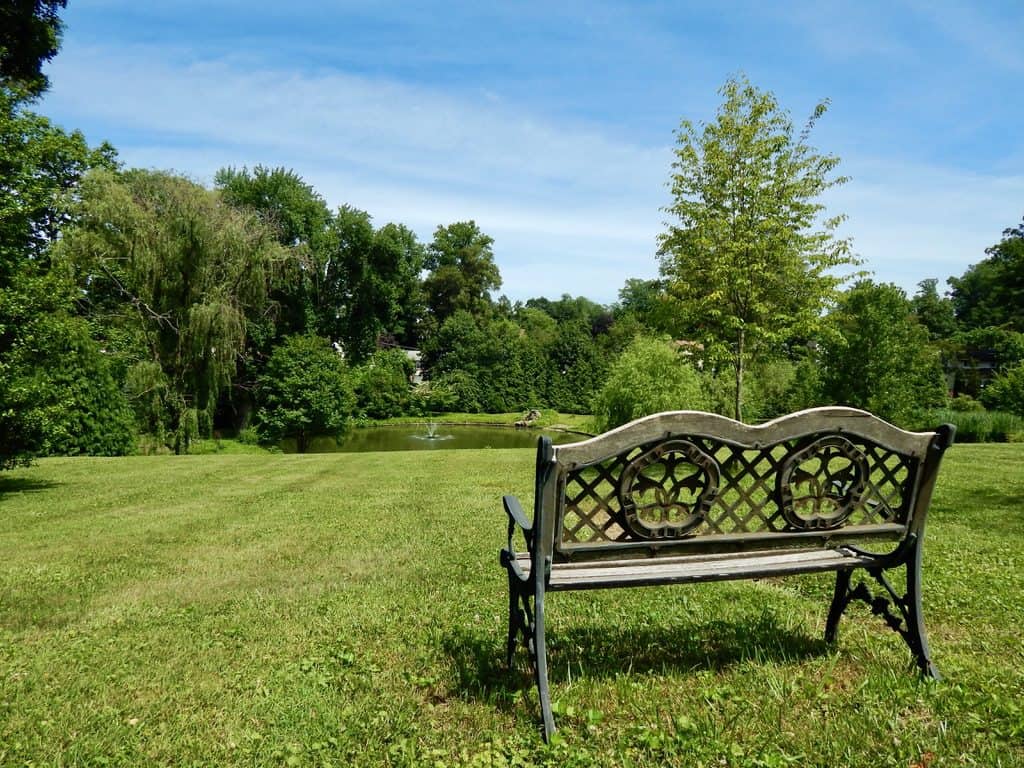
(691, 569)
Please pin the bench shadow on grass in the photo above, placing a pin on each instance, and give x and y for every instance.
(10, 485)
(599, 650)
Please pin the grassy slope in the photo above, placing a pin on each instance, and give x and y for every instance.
(349, 609)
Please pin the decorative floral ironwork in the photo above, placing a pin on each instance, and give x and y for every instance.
(820, 485)
(667, 491)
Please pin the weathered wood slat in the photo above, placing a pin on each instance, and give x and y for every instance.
(644, 562)
(838, 420)
(726, 542)
(684, 570)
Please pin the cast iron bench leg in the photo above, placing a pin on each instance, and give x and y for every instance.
(541, 665)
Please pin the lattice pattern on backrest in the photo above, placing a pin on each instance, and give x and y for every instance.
(685, 486)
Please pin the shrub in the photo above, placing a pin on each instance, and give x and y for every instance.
(648, 377)
(965, 404)
(1006, 391)
(382, 386)
(981, 426)
(304, 391)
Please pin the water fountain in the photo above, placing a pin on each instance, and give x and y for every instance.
(433, 432)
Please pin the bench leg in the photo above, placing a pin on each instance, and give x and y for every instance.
(840, 599)
(517, 623)
(540, 665)
(907, 619)
(526, 621)
(916, 636)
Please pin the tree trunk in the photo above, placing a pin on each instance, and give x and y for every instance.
(738, 403)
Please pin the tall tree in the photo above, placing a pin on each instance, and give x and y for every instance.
(462, 271)
(56, 390)
(379, 271)
(166, 259)
(300, 218)
(30, 33)
(936, 313)
(41, 167)
(750, 257)
(991, 292)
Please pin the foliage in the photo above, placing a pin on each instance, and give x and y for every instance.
(991, 292)
(880, 359)
(579, 309)
(649, 377)
(978, 426)
(1006, 391)
(167, 259)
(744, 260)
(41, 167)
(269, 587)
(381, 384)
(488, 362)
(380, 272)
(934, 312)
(982, 351)
(83, 409)
(305, 391)
(462, 271)
(772, 388)
(576, 368)
(965, 404)
(30, 32)
(299, 290)
(57, 394)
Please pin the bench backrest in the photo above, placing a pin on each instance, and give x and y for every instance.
(687, 481)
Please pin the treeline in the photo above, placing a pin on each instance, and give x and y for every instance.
(139, 305)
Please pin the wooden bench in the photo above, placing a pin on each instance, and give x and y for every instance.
(685, 497)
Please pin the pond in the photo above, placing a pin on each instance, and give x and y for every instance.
(414, 437)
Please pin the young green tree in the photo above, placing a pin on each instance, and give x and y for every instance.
(1006, 391)
(170, 264)
(381, 384)
(878, 357)
(305, 391)
(649, 377)
(750, 257)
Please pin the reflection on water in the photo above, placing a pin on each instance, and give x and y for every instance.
(415, 437)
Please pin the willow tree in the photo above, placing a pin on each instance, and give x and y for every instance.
(750, 256)
(173, 272)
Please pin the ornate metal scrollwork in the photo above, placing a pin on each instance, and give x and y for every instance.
(666, 492)
(820, 485)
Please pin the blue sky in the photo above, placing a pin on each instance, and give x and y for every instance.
(551, 124)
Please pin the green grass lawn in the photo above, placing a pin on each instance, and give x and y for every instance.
(349, 609)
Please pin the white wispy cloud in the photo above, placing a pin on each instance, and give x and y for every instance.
(571, 209)
(549, 194)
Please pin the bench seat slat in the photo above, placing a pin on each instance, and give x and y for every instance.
(692, 569)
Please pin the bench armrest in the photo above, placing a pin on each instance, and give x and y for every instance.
(516, 517)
